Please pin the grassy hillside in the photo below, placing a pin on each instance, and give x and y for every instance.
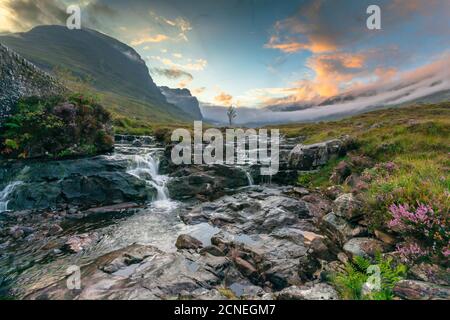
(402, 158)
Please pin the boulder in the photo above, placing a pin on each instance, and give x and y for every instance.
(185, 241)
(320, 291)
(308, 157)
(430, 273)
(339, 230)
(420, 290)
(347, 207)
(207, 181)
(364, 247)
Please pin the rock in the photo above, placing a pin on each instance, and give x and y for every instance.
(347, 207)
(213, 250)
(333, 192)
(340, 173)
(54, 229)
(317, 204)
(17, 233)
(52, 184)
(364, 247)
(385, 237)
(185, 241)
(339, 230)
(118, 208)
(137, 143)
(308, 157)
(78, 243)
(140, 272)
(420, 290)
(300, 191)
(183, 99)
(430, 273)
(320, 291)
(245, 267)
(204, 180)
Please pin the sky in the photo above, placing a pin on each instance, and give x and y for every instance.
(258, 53)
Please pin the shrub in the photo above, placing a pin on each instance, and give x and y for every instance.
(56, 127)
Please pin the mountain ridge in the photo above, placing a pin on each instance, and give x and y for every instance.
(116, 69)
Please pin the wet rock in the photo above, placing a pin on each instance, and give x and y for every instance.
(430, 273)
(78, 243)
(54, 229)
(117, 208)
(420, 290)
(212, 250)
(307, 157)
(320, 291)
(347, 207)
(185, 241)
(245, 267)
(151, 275)
(339, 230)
(364, 247)
(55, 184)
(17, 233)
(137, 143)
(208, 181)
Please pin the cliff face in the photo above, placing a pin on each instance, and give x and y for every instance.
(184, 100)
(19, 79)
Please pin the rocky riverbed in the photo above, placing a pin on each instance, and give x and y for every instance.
(139, 228)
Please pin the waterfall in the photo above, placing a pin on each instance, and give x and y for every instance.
(146, 167)
(251, 183)
(5, 193)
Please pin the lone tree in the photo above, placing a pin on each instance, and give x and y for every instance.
(232, 114)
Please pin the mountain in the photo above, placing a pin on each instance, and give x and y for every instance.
(183, 99)
(20, 79)
(116, 70)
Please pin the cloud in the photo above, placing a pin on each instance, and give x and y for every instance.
(172, 73)
(224, 99)
(149, 39)
(407, 86)
(198, 91)
(191, 65)
(21, 15)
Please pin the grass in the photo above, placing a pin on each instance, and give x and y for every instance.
(415, 138)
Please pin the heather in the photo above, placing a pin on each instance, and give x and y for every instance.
(56, 127)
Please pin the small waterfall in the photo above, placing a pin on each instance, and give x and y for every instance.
(146, 167)
(5, 193)
(251, 183)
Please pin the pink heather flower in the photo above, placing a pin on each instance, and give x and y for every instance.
(402, 217)
(411, 252)
(446, 252)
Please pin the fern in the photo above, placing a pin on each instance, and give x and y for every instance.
(350, 282)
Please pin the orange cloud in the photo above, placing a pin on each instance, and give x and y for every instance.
(149, 39)
(224, 99)
(292, 46)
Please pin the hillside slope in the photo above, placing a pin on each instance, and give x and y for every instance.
(115, 69)
(20, 79)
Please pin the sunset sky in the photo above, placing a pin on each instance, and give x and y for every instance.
(261, 52)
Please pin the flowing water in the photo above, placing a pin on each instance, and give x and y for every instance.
(5, 193)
